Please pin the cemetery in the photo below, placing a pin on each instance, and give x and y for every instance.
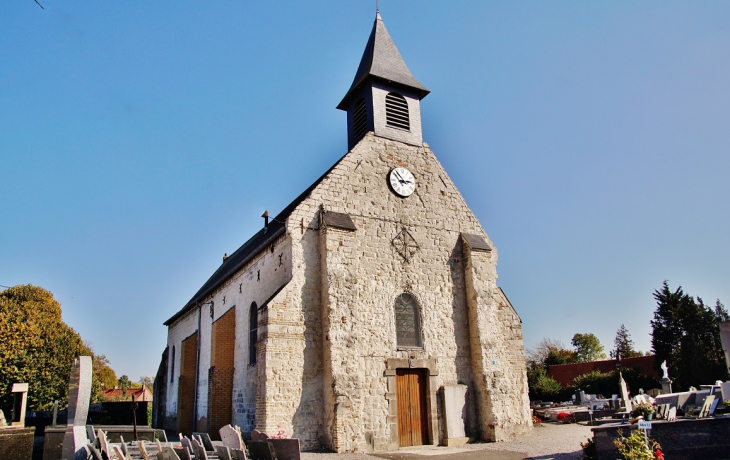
(78, 440)
(685, 424)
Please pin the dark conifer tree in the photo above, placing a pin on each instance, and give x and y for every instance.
(686, 334)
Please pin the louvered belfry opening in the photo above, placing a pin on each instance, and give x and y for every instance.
(396, 111)
(360, 119)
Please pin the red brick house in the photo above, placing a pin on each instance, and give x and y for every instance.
(132, 394)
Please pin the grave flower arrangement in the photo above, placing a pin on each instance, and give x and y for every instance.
(643, 409)
(566, 417)
(638, 446)
(281, 434)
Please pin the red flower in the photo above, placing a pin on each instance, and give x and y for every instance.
(658, 455)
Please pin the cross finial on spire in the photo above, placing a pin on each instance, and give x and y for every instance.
(377, 8)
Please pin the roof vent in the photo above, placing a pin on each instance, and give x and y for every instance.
(360, 119)
(396, 111)
(265, 215)
(225, 256)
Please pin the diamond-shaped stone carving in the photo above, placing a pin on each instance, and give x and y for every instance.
(406, 245)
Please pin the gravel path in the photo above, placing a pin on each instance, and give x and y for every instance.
(548, 441)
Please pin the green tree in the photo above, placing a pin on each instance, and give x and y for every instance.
(587, 347)
(686, 333)
(146, 382)
(623, 346)
(36, 346)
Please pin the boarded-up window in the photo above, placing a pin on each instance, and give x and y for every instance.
(253, 333)
(407, 321)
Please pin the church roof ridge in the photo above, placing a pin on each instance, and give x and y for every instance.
(248, 250)
(382, 60)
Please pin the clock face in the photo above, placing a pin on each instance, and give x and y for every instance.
(402, 181)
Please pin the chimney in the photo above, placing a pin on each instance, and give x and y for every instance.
(265, 215)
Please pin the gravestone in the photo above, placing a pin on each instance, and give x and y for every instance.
(204, 439)
(625, 393)
(231, 437)
(167, 453)
(79, 393)
(705, 411)
(286, 449)
(714, 406)
(2, 419)
(224, 452)
(261, 450)
(20, 399)
(256, 435)
(142, 450)
(198, 450)
(183, 453)
(95, 454)
(55, 413)
(455, 414)
(672, 415)
(118, 452)
(161, 435)
(238, 454)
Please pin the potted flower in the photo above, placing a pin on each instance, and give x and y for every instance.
(643, 409)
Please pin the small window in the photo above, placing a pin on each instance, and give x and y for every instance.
(253, 333)
(407, 322)
(172, 364)
(396, 111)
(360, 119)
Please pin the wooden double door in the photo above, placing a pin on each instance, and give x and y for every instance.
(412, 397)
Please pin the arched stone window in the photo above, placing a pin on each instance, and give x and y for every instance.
(253, 336)
(172, 364)
(407, 322)
(360, 119)
(396, 111)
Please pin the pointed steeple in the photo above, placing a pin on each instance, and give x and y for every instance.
(382, 60)
(384, 97)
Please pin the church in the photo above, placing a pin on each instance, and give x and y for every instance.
(365, 316)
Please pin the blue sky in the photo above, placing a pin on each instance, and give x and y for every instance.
(140, 141)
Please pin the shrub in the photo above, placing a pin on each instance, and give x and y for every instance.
(638, 446)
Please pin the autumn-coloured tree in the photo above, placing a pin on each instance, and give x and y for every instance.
(36, 346)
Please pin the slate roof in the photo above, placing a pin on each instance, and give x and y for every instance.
(382, 60)
(339, 220)
(249, 249)
(476, 242)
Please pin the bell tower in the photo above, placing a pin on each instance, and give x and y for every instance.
(384, 97)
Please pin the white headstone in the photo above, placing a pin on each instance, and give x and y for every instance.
(455, 414)
(625, 393)
(231, 437)
(79, 394)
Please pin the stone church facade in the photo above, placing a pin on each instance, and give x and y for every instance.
(346, 319)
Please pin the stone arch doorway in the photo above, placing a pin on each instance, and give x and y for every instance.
(412, 397)
(413, 414)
